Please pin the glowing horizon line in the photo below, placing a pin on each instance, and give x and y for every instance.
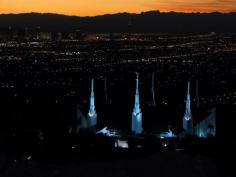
(125, 12)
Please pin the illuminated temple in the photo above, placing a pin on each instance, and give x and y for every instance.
(198, 125)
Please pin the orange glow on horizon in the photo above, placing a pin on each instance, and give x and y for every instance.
(99, 7)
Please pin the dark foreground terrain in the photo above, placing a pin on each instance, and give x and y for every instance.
(96, 156)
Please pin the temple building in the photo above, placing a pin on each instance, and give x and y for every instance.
(137, 114)
(92, 115)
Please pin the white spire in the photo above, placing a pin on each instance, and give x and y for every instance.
(92, 105)
(137, 114)
(187, 119)
(92, 115)
(188, 102)
(153, 90)
(137, 105)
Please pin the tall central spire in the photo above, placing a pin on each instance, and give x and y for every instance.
(187, 119)
(137, 114)
(136, 105)
(92, 115)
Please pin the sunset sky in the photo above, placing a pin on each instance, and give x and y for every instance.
(97, 7)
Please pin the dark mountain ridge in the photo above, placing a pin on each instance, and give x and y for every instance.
(145, 22)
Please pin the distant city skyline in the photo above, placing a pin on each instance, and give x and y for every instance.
(99, 7)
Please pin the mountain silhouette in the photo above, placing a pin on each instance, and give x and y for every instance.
(145, 22)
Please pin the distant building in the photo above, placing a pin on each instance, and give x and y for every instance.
(45, 36)
(137, 114)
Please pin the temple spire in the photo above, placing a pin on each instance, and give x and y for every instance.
(197, 94)
(187, 119)
(92, 115)
(137, 106)
(153, 90)
(137, 114)
(105, 90)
